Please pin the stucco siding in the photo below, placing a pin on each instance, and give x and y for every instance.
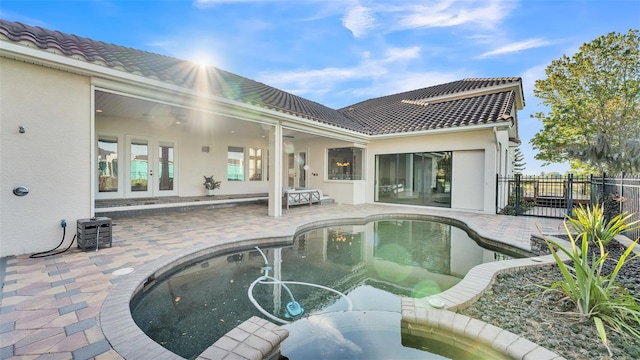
(342, 191)
(469, 180)
(479, 175)
(51, 158)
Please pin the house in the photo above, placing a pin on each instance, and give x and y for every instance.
(83, 120)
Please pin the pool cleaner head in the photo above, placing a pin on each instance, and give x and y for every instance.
(294, 309)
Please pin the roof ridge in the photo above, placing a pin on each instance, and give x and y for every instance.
(415, 102)
(510, 79)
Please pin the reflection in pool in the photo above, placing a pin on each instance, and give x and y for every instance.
(373, 264)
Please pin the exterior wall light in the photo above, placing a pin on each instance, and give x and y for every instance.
(20, 191)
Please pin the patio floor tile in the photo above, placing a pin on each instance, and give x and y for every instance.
(50, 306)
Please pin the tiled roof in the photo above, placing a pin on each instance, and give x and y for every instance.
(396, 113)
(412, 110)
(175, 71)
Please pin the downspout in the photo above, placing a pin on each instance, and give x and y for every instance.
(498, 154)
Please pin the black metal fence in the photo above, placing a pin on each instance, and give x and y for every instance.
(553, 196)
(622, 192)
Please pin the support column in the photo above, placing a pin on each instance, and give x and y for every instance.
(275, 171)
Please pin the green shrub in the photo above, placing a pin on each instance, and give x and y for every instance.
(592, 223)
(596, 295)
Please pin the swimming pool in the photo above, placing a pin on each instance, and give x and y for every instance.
(373, 264)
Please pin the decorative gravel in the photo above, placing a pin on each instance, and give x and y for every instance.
(516, 303)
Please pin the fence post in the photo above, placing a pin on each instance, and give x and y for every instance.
(518, 194)
(621, 193)
(570, 195)
(592, 190)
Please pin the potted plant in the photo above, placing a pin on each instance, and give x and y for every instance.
(211, 184)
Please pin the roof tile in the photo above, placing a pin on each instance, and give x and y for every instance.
(397, 113)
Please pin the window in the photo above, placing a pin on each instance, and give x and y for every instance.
(165, 166)
(107, 164)
(235, 163)
(344, 164)
(255, 164)
(139, 165)
(414, 178)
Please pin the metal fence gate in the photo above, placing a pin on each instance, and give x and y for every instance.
(556, 196)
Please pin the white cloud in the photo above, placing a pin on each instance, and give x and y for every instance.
(367, 68)
(394, 83)
(399, 54)
(448, 13)
(516, 47)
(371, 77)
(400, 16)
(359, 20)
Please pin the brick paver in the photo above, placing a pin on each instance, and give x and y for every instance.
(51, 305)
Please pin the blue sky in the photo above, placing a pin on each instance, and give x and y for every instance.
(340, 52)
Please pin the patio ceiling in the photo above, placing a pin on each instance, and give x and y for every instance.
(134, 109)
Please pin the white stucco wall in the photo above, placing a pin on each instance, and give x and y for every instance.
(342, 191)
(469, 183)
(51, 158)
(474, 164)
(503, 160)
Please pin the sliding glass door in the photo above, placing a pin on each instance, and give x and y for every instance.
(414, 178)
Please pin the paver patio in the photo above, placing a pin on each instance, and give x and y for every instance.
(49, 306)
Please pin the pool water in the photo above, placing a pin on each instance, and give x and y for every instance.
(372, 265)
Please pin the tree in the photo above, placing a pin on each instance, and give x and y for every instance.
(593, 101)
(518, 161)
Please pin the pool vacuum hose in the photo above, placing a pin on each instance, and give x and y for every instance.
(293, 308)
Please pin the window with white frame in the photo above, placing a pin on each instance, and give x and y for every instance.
(344, 163)
(255, 164)
(235, 163)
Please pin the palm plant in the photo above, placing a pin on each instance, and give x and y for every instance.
(596, 295)
(211, 184)
(592, 223)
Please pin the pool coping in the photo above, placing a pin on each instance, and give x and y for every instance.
(421, 318)
(128, 340)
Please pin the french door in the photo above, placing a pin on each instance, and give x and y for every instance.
(134, 166)
(297, 170)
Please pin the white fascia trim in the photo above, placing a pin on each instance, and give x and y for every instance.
(108, 79)
(130, 84)
(311, 127)
(505, 125)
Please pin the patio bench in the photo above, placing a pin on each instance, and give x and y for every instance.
(301, 197)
